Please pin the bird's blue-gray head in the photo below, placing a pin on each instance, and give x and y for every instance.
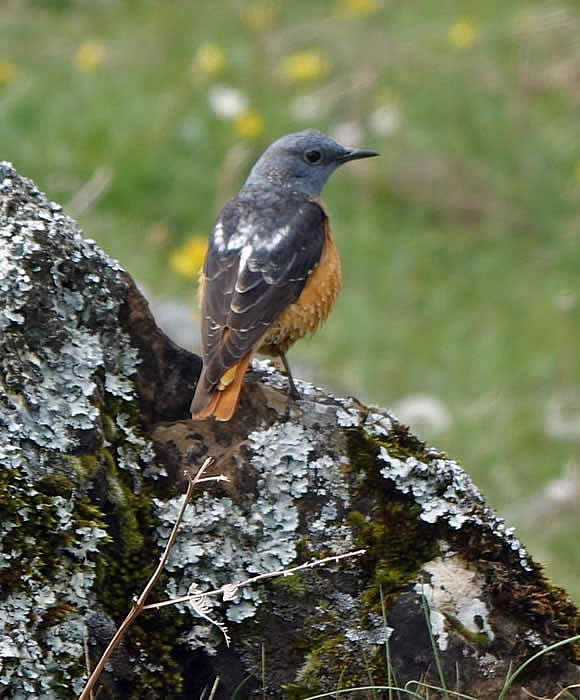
(302, 162)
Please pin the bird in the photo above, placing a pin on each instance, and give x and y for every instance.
(272, 272)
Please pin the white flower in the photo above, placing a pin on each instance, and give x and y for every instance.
(423, 413)
(565, 488)
(562, 415)
(385, 119)
(349, 133)
(226, 102)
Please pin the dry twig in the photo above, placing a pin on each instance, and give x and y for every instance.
(139, 604)
(230, 590)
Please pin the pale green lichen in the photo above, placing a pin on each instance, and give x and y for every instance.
(46, 581)
(223, 542)
(445, 492)
(48, 377)
(62, 348)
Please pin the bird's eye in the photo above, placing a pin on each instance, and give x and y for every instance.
(314, 156)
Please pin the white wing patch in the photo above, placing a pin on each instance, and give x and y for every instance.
(244, 255)
(272, 242)
(218, 237)
(240, 237)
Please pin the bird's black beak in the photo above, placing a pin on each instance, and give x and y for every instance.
(356, 154)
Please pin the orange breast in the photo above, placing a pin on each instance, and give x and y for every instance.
(312, 306)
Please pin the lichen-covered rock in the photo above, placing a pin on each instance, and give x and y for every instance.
(73, 460)
(94, 440)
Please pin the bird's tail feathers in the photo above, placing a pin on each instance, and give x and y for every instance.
(221, 401)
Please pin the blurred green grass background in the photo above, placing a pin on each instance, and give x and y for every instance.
(460, 245)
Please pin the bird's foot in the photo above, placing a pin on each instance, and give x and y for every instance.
(293, 397)
(293, 393)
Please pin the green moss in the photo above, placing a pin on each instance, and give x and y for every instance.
(387, 524)
(32, 522)
(88, 514)
(478, 639)
(55, 485)
(338, 664)
(83, 467)
(397, 541)
(110, 430)
(55, 615)
(363, 449)
(530, 598)
(88, 465)
(299, 691)
(327, 654)
(127, 563)
(538, 603)
(107, 460)
(124, 569)
(294, 584)
(115, 406)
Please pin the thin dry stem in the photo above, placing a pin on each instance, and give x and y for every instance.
(139, 604)
(87, 660)
(555, 697)
(214, 688)
(230, 589)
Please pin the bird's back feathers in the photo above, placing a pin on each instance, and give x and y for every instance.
(261, 252)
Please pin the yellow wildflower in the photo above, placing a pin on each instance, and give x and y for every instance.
(90, 55)
(259, 15)
(210, 60)
(357, 8)
(249, 125)
(462, 34)
(577, 174)
(187, 260)
(303, 67)
(7, 72)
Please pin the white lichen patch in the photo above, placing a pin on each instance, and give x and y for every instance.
(454, 592)
(348, 414)
(62, 351)
(70, 308)
(534, 639)
(30, 650)
(136, 454)
(487, 664)
(221, 542)
(446, 493)
(347, 419)
(270, 374)
(374, 634)
(378, 423)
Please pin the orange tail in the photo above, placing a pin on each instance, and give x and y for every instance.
(222, 402)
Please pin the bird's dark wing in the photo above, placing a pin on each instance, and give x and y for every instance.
(261, 252)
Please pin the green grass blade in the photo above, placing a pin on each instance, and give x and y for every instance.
(521, 668)
(387, 645)
(434, 646)
(373, 688)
